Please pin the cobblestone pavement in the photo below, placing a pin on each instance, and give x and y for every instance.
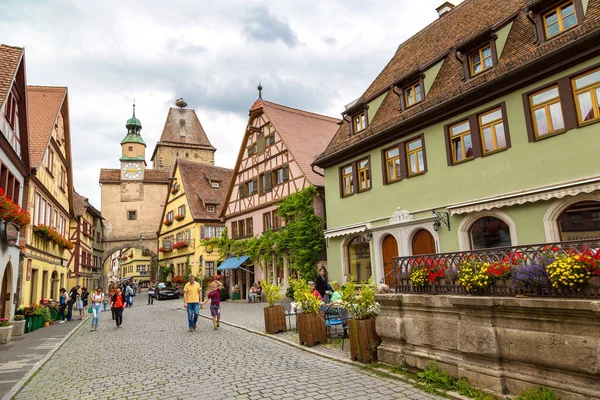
(153, 356)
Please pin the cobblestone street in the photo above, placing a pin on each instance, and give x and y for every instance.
(155, 357)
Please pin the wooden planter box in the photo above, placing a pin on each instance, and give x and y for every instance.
(363, 340)
(275, 319)
(311, 329)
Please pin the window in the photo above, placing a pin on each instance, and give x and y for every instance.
(364, 175)
(412, 95)
(11, 110)
(586, 88)
(234, 230)
(347, 181)
(269, 140)
(50, 160)
(214, 185)
(547, 112)
(252, 149)
(265, 182)
(278, 221)
(491, 128)
(252, 187)
(359, 258)
(181, 210)
(481, 60)
(209, 268)
(36, 208)
(169, 216)
(581, 221)
(211, 208)
(62, 226)
(267, 224)
(55, 219)
(460, 140)
(359, 122)
(48, 214)
(241, 228)
(489, 232)
(131, 215)
(130, 148)
(281, 175)
(249, 227)
(63, 176)
(560, 19)
(42, 215)
(392, 165)
(414, 156)
(241, 191)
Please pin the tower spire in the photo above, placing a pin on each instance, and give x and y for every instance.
(260, 88)
(133, 108)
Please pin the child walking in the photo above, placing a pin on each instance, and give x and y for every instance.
(215, 303)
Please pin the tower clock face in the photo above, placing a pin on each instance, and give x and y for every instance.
(132, 171)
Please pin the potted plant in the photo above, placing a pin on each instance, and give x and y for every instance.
(311, 325)
(45, 314)
(38, 321)
(18, 325)
(5, 330)
(361, 329)
(274, 315)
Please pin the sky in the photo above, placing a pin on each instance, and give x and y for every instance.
(313, 55)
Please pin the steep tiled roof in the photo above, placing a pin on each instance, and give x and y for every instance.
(438, 41)
(44, 103)
(195, 179)
(181, 120)
(81, 203)
(9, 61)
(150, 176)
(305, 134)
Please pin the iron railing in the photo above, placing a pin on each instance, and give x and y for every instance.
(398, 278)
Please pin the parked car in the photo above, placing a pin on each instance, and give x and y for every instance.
(163, 291)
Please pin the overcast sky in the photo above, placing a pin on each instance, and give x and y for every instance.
(313, 55)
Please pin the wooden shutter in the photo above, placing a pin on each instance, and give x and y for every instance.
(268, 184)
(261, 143)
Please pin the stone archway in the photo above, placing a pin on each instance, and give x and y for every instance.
(132, 245)
(6, 292)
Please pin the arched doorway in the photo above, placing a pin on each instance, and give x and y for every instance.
(581, 221)
(423, 243)
(489, 232)
(6, 292)
(359, 258)
(389, 250)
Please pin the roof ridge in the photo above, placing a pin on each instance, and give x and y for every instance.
(44, 87)
(299, 111)
(190, 162)
(12, 47)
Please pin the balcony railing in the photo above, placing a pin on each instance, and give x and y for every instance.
(518, 270)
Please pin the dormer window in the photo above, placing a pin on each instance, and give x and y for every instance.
(412, 95)
(214, 185)
(560, 19)
(359, 122)
(481, 60)
(211, 208)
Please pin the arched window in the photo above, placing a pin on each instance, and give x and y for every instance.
(581, 221)
(489, 232)
(359, 258)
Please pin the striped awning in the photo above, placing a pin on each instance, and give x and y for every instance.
(346, 230)
(528, 196)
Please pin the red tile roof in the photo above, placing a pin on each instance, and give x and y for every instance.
(81, 203)
(305, 134)
(150, 176)
(196, 179)
(9, 61)
(438, 41)
(44, 103)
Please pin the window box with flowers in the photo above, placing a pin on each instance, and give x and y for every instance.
(14, 217)
(181, 244)
(175, 189)
(168, 222)
(49, 234)
(179, 217)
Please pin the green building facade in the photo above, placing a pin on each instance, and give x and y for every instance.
(494, 126)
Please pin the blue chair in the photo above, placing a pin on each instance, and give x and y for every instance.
(334, 317)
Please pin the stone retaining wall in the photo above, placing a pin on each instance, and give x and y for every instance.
(499, 344)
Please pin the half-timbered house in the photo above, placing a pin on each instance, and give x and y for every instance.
(273, 162)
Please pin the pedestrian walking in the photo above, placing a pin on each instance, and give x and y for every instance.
(129, 295)
(84, 299)
(191, 301)
(117, 304)
(215, 303)
(113, 291)
(64, 300)
(79, 306)
(97, 300)
(151, 294)
(72, 298)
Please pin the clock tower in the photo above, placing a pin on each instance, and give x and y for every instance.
(133, 151)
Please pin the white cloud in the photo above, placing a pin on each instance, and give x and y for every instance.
(312, 55)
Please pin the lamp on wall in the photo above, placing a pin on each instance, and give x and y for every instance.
(369, 236)
(140, 239)
(443, 218)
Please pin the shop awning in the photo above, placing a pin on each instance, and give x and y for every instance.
(527, 196)
(232, 263)
(346, 230)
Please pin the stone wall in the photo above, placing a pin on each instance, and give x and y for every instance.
(499, 344)
(166, 155)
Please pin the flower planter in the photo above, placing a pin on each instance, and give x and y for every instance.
(311, 329)
(363, 340)
(18, 328)
(275, 319)
(5, 334)
(46, 324)
(38, 322)
(28, 324)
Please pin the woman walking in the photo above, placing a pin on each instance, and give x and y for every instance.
(151, 293)
(97, 299)
(117, 303)
(64, 299)
(215, 303)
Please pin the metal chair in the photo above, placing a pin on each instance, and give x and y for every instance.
(289, 312)
(335, 316)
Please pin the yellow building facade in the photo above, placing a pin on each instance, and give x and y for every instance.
(134, 266)
(190, 215)
(48, 196)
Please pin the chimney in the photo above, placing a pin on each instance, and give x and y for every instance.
(444, 9)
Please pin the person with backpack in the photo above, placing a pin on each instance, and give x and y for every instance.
(64, 300)
(117, 304)
(72, 298)
(129, 295)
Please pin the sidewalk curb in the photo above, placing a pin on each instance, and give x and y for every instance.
(23, 381)
(367, 367)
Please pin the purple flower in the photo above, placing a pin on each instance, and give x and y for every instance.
(528, 276)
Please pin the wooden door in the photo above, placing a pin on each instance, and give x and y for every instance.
(423, 243)
(389, 249)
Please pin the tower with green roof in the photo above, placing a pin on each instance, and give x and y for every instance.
(133, 151)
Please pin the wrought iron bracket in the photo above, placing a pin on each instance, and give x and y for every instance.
(443, 218)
